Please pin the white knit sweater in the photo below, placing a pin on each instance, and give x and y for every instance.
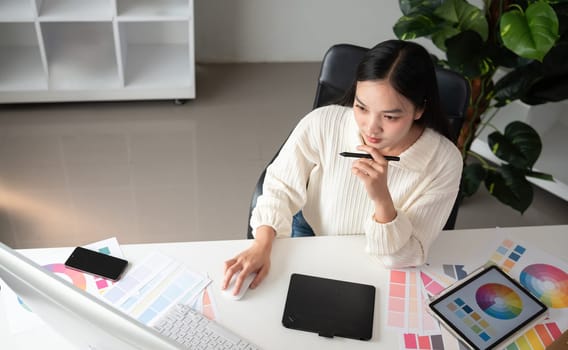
(423, 187)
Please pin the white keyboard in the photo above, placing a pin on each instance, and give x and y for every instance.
(193, 330)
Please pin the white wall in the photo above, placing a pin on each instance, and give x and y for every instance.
(287, 30)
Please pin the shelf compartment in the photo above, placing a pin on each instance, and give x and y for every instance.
(75, 10)
(21, 67)
(152, 9)
(16, 10)
(80, 55)
(156, 54)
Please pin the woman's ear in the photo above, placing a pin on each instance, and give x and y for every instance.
(418, 113)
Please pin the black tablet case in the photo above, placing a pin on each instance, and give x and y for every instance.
(330, 307)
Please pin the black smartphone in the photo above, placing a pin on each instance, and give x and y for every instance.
(96, 263)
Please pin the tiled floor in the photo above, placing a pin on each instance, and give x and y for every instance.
(154, 171)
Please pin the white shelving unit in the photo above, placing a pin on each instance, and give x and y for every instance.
(16, 10)
(21, 67)
(95, 50)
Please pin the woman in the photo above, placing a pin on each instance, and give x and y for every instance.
(392, 109)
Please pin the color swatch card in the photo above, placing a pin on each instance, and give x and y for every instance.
(436, 277)
(153, 286)
(137, 278)
(403, 305)
(433, 282)
(407, 303)
(429, 324)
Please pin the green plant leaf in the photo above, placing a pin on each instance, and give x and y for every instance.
(511, 187)
(414, 26)
(537, 82)
(551, 89)
(531, 34)
(553, 85)
(439, 38)
(539, 175)
(516, 84)
(520, 146)
(466, 54)
(504, 57)
(412, 6)
(472, 176)
(464, 16)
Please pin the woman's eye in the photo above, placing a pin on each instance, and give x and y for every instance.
(390, 117)
(360, 107)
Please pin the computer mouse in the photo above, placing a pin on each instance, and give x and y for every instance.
(244, 287)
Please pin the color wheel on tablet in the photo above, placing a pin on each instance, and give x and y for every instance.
(499, 301)
(548, 283)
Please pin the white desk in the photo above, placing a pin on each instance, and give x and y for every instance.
(258, 315)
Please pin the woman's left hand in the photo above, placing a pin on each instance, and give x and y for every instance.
(372, 172)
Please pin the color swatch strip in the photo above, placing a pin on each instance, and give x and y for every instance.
(173, 291)
(422, 342)
(432, 286)
(407, 308)
(507, 254)
(537, 338)
(456, 272)
(208, 309)
(471, 319)
(135, 279)
(399, 299)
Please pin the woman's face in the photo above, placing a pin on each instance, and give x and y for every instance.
(385, 117)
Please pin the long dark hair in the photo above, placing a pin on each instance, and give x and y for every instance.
(409, 69)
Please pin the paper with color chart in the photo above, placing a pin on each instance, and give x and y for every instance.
(153, 286)
(20, 316)
(546, 277)
(507, 254)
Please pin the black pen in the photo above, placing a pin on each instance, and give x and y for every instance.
(366, 155)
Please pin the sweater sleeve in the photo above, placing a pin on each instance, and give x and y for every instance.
(284, 190)
(405, 241)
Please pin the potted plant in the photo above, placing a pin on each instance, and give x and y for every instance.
(527, 41)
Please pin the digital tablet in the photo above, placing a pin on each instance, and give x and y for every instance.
(330, 308)
(487, 308)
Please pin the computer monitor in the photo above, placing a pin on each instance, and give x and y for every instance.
(81, 318)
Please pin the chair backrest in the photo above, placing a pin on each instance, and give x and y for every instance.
(337, 74)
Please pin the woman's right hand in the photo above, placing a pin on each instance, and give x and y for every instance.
(254, 259)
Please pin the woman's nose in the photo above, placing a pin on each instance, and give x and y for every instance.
(375, 126)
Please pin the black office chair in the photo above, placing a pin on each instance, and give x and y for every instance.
(337, 73)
